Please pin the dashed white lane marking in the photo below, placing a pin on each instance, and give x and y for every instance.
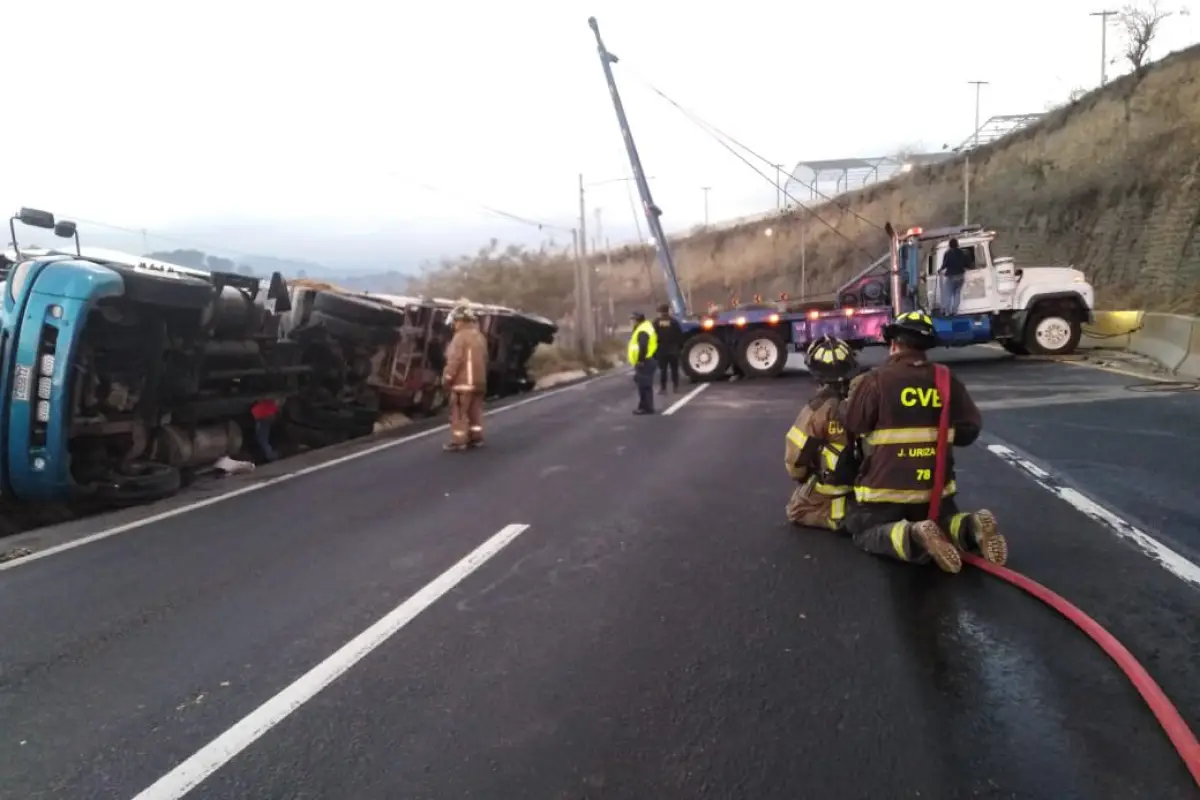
(254, 487)
(687, 398)
(185, 777)
(1173, 562)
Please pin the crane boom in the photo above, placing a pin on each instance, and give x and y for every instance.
(653, 212)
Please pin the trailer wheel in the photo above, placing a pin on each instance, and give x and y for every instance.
(1052, 333)
(704, 357)
(358, 309)
(761, 354)
(163, 288)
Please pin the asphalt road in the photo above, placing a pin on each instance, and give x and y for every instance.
(657, 632)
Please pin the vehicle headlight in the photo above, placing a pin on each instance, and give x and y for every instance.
(16, 278)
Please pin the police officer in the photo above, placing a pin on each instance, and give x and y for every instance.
(670, 342)
(643, 343)
(895, 410)
(816, 452)
(464, 378)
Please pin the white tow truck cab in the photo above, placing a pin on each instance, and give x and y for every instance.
(1038, 310)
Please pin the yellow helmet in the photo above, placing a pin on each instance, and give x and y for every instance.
(917, 325)
(830, 359)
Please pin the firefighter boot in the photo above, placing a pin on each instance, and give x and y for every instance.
(992, 544)
(929, 537)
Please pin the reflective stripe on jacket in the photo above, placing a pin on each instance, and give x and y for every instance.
(895, 410)
(814, 445)
(651, 342)
(466, 361)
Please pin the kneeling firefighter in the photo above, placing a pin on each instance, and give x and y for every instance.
(465, 379)
(896, 410)
(817, 454)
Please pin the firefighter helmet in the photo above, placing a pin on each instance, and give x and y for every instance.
(462, 313)
(916, 326)
(830, 359)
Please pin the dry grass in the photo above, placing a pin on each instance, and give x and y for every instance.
(1109, 183)
(549, 359)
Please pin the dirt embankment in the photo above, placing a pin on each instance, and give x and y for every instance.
(1110, 184)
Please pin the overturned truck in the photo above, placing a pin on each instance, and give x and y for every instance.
(122, 376)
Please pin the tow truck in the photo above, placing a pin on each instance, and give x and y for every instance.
(1031, 310)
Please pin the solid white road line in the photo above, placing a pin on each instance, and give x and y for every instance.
(254, 487)
(185, 777)
(687, 398)
(1173, 562)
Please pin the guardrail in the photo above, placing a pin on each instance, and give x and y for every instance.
(1172, 340)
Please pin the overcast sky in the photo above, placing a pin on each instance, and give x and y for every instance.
(359, 127)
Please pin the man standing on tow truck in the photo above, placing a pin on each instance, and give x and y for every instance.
(643, 344)
(953, 272)
(895, 410)
(465, 378)
(815, 450)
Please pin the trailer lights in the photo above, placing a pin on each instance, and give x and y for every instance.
(740, 322)
(913, 232)
(773, 319)
(814, 314)
(707, 324)
(849, 312)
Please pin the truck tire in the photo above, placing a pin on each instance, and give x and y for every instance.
(357, 309)
(1052, 333)
(704, 358)
(134, 483)
(761, 354)
(163, 288)
(356, 332)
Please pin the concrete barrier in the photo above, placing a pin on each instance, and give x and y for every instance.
(1111, 330)
(1191, 364)
(1164, 337)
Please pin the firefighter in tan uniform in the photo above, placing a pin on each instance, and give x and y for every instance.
(816, 442)
(894, 410)
(465, 379)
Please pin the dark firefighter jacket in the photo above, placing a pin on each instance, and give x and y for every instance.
(670, 336)
(894, 409)
(816, 453)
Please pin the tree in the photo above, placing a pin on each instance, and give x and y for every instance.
(1141, 22)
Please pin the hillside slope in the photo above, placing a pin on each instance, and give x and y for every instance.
(1110, 183)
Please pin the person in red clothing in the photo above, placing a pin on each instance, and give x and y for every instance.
(264, 413)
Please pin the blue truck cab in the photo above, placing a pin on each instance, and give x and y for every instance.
(119, 372)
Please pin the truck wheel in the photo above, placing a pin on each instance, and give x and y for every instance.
(761, 354)
(358, 309)
(163, 288)
(1052, 333)
(356, 332)
(134, 483)
(704, 357)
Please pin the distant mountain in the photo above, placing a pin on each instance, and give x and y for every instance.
(388, 282)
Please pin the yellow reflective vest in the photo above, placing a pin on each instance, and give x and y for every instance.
(652, 343)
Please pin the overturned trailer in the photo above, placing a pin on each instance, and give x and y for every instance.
(121, 375)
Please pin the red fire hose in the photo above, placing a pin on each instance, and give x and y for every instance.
(1164, 710)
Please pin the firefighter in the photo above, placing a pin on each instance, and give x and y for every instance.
(643, 343)
(465, 379)
(894, 410)
(816, 442)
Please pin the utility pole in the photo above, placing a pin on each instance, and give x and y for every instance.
(585, 294)
(778, 186)
(967, 161)
(608, 273)
(705, 189)
(1103, 15)
(578, 333)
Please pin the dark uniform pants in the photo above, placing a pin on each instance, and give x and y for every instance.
(466, 417)
(879, 528)
(668, 362)
(643, 378)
